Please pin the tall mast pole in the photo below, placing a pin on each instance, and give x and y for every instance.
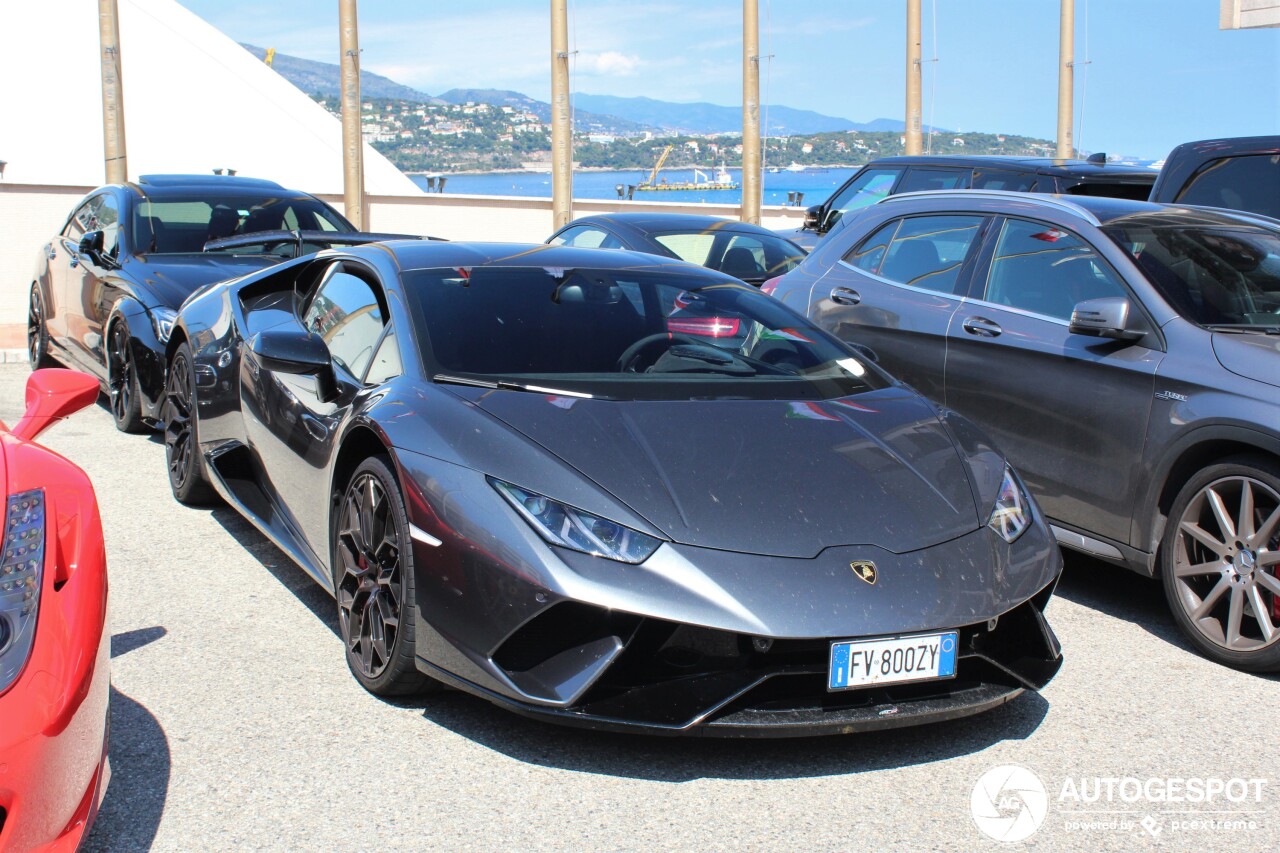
(352, 142)
(1066, 73)
(561, 128)
(750, 112)
(113, 146)
(913, 144)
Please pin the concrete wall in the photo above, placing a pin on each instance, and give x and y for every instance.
(31, 214)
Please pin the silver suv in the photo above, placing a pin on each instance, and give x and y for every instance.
(1124, 355)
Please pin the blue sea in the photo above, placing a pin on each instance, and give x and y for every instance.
(816, 184)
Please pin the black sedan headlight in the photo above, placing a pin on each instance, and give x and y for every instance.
(21, 568)
(1012, 513)
(569, 527)
(162, 320)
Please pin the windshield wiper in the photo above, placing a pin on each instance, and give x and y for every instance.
(1244, 328)
(445, 379)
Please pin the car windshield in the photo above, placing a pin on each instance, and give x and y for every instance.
(1212, 276)
(625, 334)
(183, 224)
(744, 255)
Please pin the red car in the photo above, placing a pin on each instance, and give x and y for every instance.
(55, 650)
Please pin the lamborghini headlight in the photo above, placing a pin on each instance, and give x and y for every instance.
(1012, 512)
(566, 526)
(162, 320)
(21, 569)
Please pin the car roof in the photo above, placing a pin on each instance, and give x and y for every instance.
(1039, 165)
(1189, 158)
(1099, 210)
(160, 186)
(649, 221)
(423, 254)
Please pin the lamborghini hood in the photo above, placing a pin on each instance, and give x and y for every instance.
(770, 477)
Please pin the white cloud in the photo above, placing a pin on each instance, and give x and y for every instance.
(610, 63)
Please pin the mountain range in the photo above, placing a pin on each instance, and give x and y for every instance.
(599, 113)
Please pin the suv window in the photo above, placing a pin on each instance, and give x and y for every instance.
(922, 251)
(866, 188)
(919, 179)
(1046, 270)
(988, 179)
(345, 312)
(1241, 183)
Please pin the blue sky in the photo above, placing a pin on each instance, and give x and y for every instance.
(1160, 72)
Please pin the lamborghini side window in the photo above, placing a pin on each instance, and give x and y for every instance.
(386, 361)
(346, 314)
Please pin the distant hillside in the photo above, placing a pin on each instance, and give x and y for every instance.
(585, 119)
(706, 118)
(326, 78)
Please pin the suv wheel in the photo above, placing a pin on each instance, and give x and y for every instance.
(1220, 560)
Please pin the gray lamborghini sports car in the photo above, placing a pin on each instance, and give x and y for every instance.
(517, 479)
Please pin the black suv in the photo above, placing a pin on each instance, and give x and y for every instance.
(1240, 174)
(890, 175)
(1124, 355)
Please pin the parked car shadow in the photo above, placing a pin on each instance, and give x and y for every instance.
(1120, 593)
(283, 569)
(140, 766)
(684, 759)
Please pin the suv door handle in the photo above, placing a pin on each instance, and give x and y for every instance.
(982, 327)
(53, 252)
(845, 296)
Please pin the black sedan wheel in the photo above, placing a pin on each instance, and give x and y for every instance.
(187, 476)
(122, 381)
(37, 333)
(1220, 560)
(373, 577)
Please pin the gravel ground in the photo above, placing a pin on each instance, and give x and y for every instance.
(236, 726)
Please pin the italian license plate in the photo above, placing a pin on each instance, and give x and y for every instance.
(892, 660)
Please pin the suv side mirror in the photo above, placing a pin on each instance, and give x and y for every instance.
(812, 217)
(297, 351)
(1107, 317)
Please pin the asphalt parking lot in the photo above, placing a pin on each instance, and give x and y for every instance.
(236, 726)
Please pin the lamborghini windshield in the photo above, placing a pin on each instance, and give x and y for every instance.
(625, 334)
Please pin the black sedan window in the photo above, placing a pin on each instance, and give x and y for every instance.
(626, 334)
(1212, 276)
(177, 225)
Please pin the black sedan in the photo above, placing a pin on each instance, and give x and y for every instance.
(106, 289)
(515, 479)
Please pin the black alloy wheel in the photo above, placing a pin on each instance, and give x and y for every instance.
(37, 333)
(1220, 561)
(187, 476)
(373, 582)
(122, 380)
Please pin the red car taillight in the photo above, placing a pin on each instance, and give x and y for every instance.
(707, 327)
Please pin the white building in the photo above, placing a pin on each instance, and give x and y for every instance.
(194, 101)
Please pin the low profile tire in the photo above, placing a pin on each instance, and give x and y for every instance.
(122, 381)
(1220, 561)
(373, 583)
(37, 332)
(187, 477)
